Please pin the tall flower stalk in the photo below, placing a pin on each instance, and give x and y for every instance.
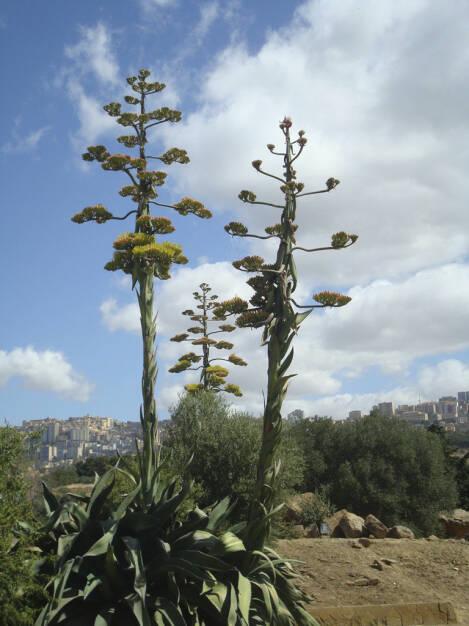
(274, 309)
(139, 254)
(212, 374)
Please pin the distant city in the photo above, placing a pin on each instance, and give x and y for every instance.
(68, 440)
(65, 441)
(450, 411)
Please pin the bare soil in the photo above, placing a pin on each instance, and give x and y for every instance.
(336, 574)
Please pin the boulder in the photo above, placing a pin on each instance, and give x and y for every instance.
(312, 532)
(353, 526)
(292, 512)
(400, 532)
(334, 523)
(297, 531)
(456, 524)
(365, 542)
(375, 527)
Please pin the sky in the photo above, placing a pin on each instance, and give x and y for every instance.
(380, 89)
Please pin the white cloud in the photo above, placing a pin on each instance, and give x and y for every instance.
(94, 122)
(152, 5)
(93, 53)
(393, 132)
(124, 317)
(388, 325)
(24, 144)
(45, 370)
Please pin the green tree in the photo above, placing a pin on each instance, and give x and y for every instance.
(457, 464)
(224, 445)
(21, 593)
(380, 465)
(212, 374)
(274, 309)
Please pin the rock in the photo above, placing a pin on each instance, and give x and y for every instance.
(352, 525)
(375, 527)
(334, 523)
(400, 532)
(355, 545)
(312, 531)
(297, 531)
(388, 561)
(456, 524)
(293, 507)
(365, 542)
(432, 538)
(377, 565)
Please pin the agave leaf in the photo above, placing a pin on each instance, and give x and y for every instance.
(244, 596)
(64, 544)
(302, 316)
(100, 492)
(134, 554)
(126, 502)
(197, 520)
(220, 512)
(186, 568)
(238, 528)
(113, 571)
(77, 496)
(138, 608)
(286, 363)
(78, 513)
(168, 614)
(101, 546)
(200, 559)
(231, 543)
(51, 503)
(64, 607)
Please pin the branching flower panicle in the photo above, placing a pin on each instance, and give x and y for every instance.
(212, 374)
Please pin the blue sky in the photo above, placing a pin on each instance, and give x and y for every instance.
(381, 91)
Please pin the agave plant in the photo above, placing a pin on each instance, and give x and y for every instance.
(212, 374)
(274, 309)
(154, 566)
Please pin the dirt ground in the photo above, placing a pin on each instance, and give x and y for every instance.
(336, 574)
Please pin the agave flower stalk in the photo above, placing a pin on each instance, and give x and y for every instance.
(212, 374)
(274, 309)
(139, 254)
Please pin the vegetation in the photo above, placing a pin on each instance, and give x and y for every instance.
(211, 376)
(149, 561)
(225, 445)
(21, 593)
(274, 309)
(379, 465)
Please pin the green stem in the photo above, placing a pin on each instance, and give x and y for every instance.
(280, 333)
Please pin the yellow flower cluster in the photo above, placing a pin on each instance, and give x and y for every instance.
(189, 205)
(95, 213)
(330, 298)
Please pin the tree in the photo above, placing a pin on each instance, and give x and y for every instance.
(274, 309)
(224, 445)
(150, 561)
(211, 376)
(380, 465)
(20, 592)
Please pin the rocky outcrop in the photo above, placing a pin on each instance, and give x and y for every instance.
(456, 524)
(375, 527)
(400, 532)
(334, 523)
(292, 512)
(353, 526)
